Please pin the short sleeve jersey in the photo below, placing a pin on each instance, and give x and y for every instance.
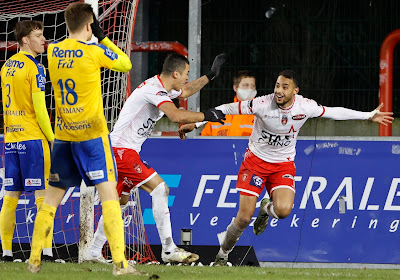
(21, 75)
(275, 129)
(74, 68)
(140, 113)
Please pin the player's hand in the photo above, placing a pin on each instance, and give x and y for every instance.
(51, 145)
(98, 32)
(384, 118)
(216, 66)
(186, 128)
(214, 115)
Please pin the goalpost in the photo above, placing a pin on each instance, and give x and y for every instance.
(117, 18)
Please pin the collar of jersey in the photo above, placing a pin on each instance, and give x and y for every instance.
(158, 77)
(26, 53)
(290, 107)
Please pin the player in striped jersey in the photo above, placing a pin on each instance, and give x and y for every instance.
(82, 148)
(28, 134)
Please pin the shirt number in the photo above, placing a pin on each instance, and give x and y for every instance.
(8, 95)
(70, 97)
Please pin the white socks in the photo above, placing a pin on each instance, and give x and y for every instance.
(231, 237)
(99, 238)
(162, 216)
(48, 252)
(269, 209)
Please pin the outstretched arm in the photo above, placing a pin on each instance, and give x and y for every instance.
(183, 116)
(339, 113)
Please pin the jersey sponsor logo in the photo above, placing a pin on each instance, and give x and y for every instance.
(298, 117)
(74, 126)
(33, 182)
(288, 176)
(40, 81)
(284, 119)
(162, 93)
(256, 181)
(14, 146)
(15, 64)
(95, 175)
(57, 52)
(275, 139)
(147, 128)
(111, 55)
(8, 182)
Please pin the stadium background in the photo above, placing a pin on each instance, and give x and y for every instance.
(333, 45)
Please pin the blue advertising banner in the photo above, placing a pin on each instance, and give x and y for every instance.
(202, 174)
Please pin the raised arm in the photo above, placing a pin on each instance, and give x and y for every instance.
(123, 63)
(196, 85)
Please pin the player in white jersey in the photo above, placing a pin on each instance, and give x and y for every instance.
(269, 160)
(145, 106)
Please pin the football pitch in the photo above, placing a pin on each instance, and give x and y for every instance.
(73, 271)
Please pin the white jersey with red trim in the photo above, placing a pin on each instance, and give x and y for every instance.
(275, 129)
(140, 113)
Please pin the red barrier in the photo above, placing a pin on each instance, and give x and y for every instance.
(386, 77)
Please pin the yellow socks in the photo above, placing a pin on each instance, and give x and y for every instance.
(47, 249)
(7, 223)
(44, 224)
(114, 230)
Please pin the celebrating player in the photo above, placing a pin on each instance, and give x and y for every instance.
(28, 131)
(269, 160)
(82, 148)
(146, 105)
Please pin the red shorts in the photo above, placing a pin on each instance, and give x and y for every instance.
(255, 173)
(132, 171)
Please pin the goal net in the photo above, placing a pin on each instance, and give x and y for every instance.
(117, 18)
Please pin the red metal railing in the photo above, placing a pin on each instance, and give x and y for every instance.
(386, 77)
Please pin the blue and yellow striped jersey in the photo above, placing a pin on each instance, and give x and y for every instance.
(21, 75)
(74, 68)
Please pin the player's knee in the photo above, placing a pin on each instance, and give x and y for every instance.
(283, 210)
(242, 222)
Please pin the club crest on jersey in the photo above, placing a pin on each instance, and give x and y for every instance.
(298, 117)
(244, 176)
(137, 168)
(284, 119)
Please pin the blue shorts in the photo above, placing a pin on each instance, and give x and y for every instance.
(92, 160)
(27, 165)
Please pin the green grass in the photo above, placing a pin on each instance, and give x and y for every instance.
(72, 271)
